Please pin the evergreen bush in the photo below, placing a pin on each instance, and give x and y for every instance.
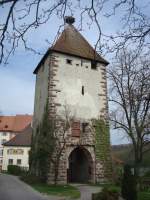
(129, 184)
(30, 178)
(14, 169)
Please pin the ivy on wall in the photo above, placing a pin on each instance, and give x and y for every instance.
(102, 145)
(42, 147)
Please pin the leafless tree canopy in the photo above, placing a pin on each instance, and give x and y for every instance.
(130, 98)
(21, 16)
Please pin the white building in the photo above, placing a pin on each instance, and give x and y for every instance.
(10, 126)
(16, 151)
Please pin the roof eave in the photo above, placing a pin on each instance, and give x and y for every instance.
(52, 50)
(41, 61)
(104, 62)
(8, 145)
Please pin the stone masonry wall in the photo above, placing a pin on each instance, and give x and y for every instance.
(103, 156)
(101, 164)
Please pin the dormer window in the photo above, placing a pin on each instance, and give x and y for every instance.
(93, 64)
(68, 61)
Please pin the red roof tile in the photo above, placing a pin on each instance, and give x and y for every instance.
(72, 42)
(14, 123)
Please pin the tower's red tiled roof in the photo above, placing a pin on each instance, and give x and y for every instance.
(71, 42)
(14, 123)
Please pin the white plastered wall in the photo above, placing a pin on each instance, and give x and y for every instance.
(71, 79)
(24, 157)
(41, 91)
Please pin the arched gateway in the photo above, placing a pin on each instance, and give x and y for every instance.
(80, 166)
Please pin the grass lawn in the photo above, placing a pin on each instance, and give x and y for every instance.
(59, 190)
(144, 196)
(141, 195)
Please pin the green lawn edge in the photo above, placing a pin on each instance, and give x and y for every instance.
(57, 190)
(142, 195)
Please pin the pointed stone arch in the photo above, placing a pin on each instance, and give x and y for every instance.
(80, 165)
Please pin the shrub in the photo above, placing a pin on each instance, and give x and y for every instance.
(106, 194)
(14, 169)
(129, 184)
(147, 174)
(30, 178)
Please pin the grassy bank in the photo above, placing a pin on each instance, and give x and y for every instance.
(58, 190)
(145, 195)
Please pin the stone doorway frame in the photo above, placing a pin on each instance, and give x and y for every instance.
(89, 152)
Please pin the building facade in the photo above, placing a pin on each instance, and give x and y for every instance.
(16, 151)
(72, 75)
(10, 126)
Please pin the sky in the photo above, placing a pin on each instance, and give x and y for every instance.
(17, 81)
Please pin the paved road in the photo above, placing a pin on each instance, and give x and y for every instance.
(11, 188)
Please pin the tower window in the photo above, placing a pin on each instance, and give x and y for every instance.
(84, 125)
(93, 64)
(68, 61)
(82, 90)
(18, 161)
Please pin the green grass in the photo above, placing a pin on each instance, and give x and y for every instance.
(144, 196)
(141, 195)
(58, 190)
(110, 186)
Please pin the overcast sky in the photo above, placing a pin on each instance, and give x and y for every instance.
(17, 81)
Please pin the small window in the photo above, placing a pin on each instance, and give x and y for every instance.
(77, 64)
(68, 61)
(81, 62)
(4, 133)
(86, 67)
(18, 161)
(1, 152)
(84, 125)
(82, 90)
(10, 161)
(93, 65)
(3, 141)
(6, 126)
(20, 151)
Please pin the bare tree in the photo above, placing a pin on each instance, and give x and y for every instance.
(19, 17)
(135, 30)
(130, 99)
(48, 143)
(63, 124)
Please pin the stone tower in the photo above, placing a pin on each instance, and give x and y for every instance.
(73, 74)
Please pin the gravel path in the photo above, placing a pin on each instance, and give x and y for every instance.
(87, 190)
